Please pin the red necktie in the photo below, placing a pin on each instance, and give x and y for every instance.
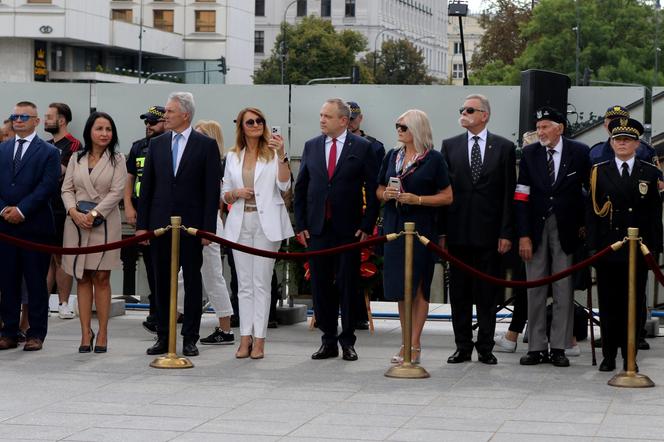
(332, 160)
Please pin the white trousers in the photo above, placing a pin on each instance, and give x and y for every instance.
(254, 274)
(214, 284)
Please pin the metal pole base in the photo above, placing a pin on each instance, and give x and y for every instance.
(407, 371)
(171, 361)
(630, 379)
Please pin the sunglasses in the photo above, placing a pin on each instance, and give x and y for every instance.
(401, 127)
(257, 122)
(470, 110)
(153, 123)
(22, 117)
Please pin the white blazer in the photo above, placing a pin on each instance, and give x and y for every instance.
(271, 208)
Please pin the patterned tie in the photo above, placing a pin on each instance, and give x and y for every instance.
(551, 166)
(475, 160)
(625, 172)
(175, 150)
(332, 160)
(19, 154)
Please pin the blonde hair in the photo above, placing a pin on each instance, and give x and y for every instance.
(213, 130)
(264, 152)
(418, 125)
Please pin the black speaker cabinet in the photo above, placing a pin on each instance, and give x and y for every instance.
(541, 88)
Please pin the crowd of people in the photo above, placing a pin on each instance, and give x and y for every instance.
(469, 196)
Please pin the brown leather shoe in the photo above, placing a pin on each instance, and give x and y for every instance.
(6, 343)
(33, 344)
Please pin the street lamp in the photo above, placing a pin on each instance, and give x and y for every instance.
(376, 47)
(283, 42)
(140, 43)
(460, 9)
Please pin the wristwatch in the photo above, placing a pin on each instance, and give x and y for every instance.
(94, 213)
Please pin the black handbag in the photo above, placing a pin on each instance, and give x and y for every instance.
(85, 207)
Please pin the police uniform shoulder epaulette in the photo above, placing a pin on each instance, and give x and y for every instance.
(647, 163)
(602, 163)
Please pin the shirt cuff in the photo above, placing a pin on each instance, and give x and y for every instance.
(20, 213)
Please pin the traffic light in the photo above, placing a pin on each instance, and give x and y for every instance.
(355, 74)
(222, 65)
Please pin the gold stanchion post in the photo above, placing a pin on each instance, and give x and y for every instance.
(408, 370)
(172, 360)
(630, 378)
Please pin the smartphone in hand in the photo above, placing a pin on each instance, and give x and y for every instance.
(275, 130)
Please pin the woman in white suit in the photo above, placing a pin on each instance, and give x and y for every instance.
(257, 172)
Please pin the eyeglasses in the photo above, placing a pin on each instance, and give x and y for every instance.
(22, 117)
(401, 127)
(153, 123)
(257, 122)
(470, 110)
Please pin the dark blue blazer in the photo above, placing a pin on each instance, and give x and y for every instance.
(30, 188)
(354, 177)
(566, 195)
(192, 194)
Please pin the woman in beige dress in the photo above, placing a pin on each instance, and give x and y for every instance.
(95, 175)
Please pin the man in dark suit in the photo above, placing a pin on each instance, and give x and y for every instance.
(624, 193)
(478, 225)
(549, 200)
(336, 168)
(181, 178)
(30, 177)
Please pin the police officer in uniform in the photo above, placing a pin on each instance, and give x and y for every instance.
(623, 193)
(154, 126)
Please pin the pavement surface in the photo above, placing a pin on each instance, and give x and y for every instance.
(59, 394)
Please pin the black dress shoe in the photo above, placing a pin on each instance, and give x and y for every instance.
(362, 325)
(349, 353)
(159, 348)
(487, 358)
(458, 357)
(607, 365)
(101, 349)
(643, 344)
(325, 352)
(534, 358)
(558, 359)
(189, 349)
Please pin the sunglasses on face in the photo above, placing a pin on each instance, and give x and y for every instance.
(470, 110)
(153, 123)
(251, 122)
(22, 117)
(401, 127)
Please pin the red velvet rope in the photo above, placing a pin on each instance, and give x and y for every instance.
(290, 255)
(505, 283)
(650, 261)
(29, 245)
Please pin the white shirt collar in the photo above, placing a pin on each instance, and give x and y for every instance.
(29, 138)
(630, 164)
(341, 139)
(559, 145)
(185, 135)
(482, 135)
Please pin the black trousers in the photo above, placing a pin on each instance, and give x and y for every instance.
(520, 303)
(18, 264)
(191, 259)
(466, 289)
(334, 283)
(612, 292)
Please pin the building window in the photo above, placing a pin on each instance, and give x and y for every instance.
(350, 8)
(457, 47)
(259, 42)
(206, 21)
(260, 8)
(301, 8)
(457, 70)
(122, 15)
(326, 8)
(163, 19)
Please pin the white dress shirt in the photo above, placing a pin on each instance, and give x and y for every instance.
(183, 143)
(29, 139)
(619, 163)
(341, 140)
(556, 156)
(482, 142)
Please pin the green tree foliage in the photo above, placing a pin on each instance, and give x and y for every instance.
(315, 50)
(616, 41)
(398, 62)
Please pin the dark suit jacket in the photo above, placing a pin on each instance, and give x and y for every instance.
(636, 205)
(192, 194)
(356, 172)
(481, 212)
(30, 188)
(566, 195)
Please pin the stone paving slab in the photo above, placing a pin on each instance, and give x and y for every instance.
(58, 394)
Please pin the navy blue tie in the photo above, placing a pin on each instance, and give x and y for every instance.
(19, 154)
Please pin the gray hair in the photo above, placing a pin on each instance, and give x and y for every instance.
(342, 107)
(484, 100)
(186, 102)
(419, 126)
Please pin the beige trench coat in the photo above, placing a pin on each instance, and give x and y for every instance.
(104, 186)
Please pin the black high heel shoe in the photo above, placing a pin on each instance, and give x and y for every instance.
(87, 348)
(100, 349)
